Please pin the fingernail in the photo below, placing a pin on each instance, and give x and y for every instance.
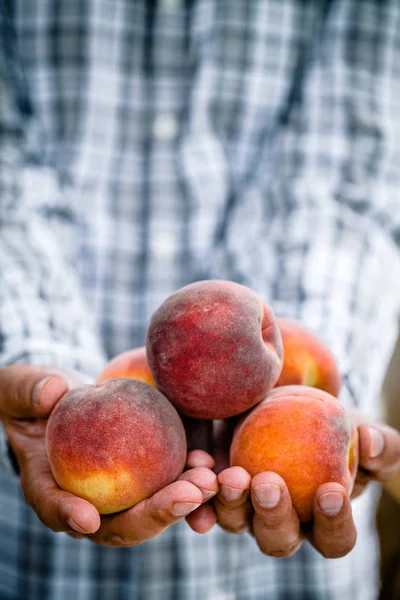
(180, 509)
(331, 503)
(75, 526)
(38, 388)
(377, 442)
(231, 494)
(268, 495)
(207, 494)
(47, 390)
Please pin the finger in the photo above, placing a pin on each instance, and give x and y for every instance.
(29, 392)
(58, 510)
(204, 479)
(379, 450)
(276, 525)
(199, 458)
(202, 519)
(73, 379)
(76, 536)
(150, 517)
(334, 533)
(232, 505)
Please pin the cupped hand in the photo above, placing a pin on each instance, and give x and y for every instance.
(27, 396)
(263, 506)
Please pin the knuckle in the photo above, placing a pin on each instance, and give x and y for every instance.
(161, 518)
(235, 528)
(230, 506)
(272, 520)
(339, 549)
(233, 520)
(336, 526)
(286, 548)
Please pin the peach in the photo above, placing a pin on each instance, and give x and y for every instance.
(214, 349)
(132, 364)
(307, 360)
(115, 444)
(305, 435)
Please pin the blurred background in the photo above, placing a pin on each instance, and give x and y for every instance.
(389, 509)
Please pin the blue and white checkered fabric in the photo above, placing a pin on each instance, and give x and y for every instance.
(144, 145)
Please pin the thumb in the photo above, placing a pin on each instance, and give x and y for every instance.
(28, 392)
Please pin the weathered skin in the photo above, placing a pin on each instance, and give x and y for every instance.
(307, 360)
(303, 434)
(115, 444)
(132, 364)
(214, 349)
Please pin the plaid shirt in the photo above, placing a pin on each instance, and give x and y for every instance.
(144, 145)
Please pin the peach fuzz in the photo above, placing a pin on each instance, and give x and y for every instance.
(307, 360)
(132, 364)
(214, 349)
(115, 444)
(303, 434)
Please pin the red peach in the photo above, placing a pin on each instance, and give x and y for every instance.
(303, 434)
(115, 444)
(307, 360)
(132, 364)
(214, 349)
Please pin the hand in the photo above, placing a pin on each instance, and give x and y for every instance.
(27, 396)
(262, 505)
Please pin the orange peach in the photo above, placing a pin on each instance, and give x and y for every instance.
(132, 364)
(307, 360)
(214, 349)
(303, 434)
(115, 444)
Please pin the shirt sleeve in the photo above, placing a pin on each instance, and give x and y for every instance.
(44, 319)
(325, 247)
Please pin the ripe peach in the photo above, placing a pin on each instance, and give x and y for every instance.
(307, 360)
(132, 364)
(115, 444)
(214, 349)
(303, 434)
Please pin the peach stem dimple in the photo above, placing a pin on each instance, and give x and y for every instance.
(268, 332)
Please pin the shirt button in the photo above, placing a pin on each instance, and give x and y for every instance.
(165, 127)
